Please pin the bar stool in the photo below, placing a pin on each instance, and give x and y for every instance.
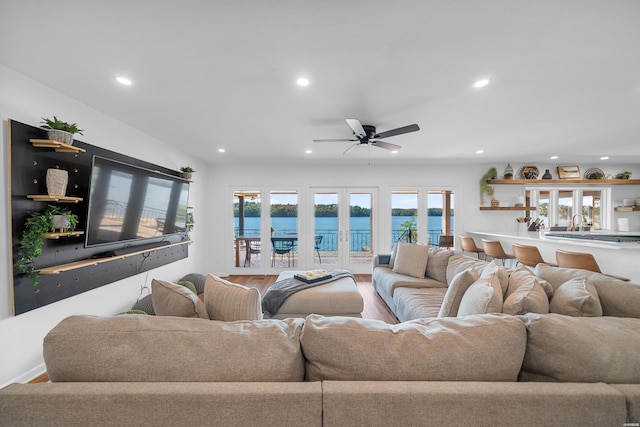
(469, 245)
(445, 241)
(582, 261)
(527, 255)
(494, 249)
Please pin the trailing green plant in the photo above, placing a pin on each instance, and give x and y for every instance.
(32, 241)
(190, 222)
(409, 230)
(57, 124)
(186, 169)
(485, 188)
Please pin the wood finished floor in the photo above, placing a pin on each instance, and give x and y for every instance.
(374, 307)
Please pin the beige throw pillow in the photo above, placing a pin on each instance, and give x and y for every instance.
(521, 275)
(169, 299)
(577, 297)
(411, 259)
(456, 290)
(501, 273)
(529, 297)
(229, 301)
(483, 296)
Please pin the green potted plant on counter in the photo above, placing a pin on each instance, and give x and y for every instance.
(60, 131)
(32, 241)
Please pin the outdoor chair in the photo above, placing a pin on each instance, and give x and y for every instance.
(316, 246)
(252, 247)
(445, 241)
(282, 247)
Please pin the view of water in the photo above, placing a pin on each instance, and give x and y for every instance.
(328, 227)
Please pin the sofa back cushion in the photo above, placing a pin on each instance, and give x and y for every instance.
(173, 349)
(482, 297)
(582, 349)
(458, 263)
(438, 261)
(411, 259)
(474, 348)
(617, 297)
(576, 297)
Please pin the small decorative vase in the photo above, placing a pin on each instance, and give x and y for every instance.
(57, 180)
(547, 175)
(508, 172)
(519, 201)
(495, 203)
(61, 222)
(60, 136)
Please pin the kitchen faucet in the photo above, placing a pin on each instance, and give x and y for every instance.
(573, 223)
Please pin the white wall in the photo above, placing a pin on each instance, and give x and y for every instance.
(26, 101)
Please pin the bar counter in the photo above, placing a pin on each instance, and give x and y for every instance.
(618, 258)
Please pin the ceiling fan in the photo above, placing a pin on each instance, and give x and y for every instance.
(366, 134)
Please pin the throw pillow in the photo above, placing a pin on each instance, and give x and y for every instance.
(437, 265)
(500, 272)
(187, 284)
(411, 259)
(394, 252)
(456, 290)
(197, 279)
(577, 297)
(229, 301)
(170, 299)
(145, 304)
(529, 297)
(483, 296)
(521, 275)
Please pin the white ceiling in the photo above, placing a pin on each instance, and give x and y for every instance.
(565, 74)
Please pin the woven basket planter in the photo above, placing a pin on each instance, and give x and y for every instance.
(61, 136)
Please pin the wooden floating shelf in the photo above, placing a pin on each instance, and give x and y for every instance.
(508, 208)
(60, 199)
(57, 235)
(57, 269)
(58, 146)
(627, 209)
(565, 181)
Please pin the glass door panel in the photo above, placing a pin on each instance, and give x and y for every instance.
(284, 229)
(326, 227)
(360, 228)
(565, 208)
(404, 215)
(440, 215)
(248, 251)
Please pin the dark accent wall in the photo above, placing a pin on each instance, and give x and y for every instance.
(28, 168)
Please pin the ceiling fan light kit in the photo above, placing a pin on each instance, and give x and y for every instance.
(366, 135)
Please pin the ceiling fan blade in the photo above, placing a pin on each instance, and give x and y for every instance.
(398, 131)
(357, 127)
(350, 149)
(385, 145)
(333, 140)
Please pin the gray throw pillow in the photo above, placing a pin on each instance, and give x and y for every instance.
(197, 279)
(145, 304)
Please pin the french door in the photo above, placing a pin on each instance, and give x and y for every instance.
(343, 228)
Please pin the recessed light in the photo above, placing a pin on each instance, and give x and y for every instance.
(479, 151)
(221, 150)
(308, 151)
(302, 81)
(604, 158)
(395, 151)
(553, 157)
(123, 80)
(481, 83)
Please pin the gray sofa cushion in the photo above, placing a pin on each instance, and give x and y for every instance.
(173, 349)
(458, 263)
(474, 348)
(582, 349)
(418, 303)
(437, 265)
(576, 297)
(617, 297)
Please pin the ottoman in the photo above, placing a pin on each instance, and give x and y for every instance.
(338, 298)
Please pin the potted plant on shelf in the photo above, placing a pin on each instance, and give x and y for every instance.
(32, 241)
(485, 188)
(623, 175)
(187, 172)
(60, 131)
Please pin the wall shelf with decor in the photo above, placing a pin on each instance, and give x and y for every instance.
(58, 146)
(58, 199)
(508, 208)
(565, 181)
(59, 234)
(627, 209)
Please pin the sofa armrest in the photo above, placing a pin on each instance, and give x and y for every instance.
(381, 260)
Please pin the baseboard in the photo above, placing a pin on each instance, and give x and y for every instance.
(27, 376)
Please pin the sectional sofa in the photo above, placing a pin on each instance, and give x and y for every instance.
(486, 369)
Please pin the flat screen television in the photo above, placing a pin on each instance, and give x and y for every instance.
(128, 203)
